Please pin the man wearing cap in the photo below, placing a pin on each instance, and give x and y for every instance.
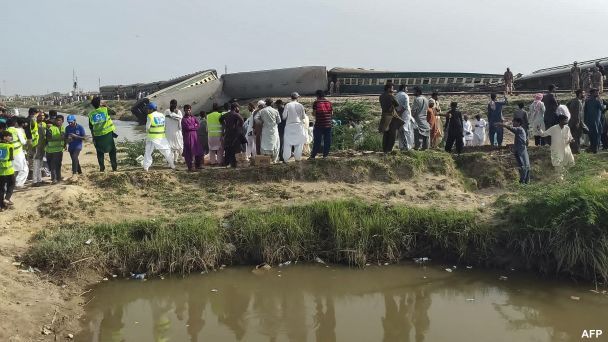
(269, 118)
(156, 139)
(102, 129)
(74, 135)
(296, 134)
(575, 74)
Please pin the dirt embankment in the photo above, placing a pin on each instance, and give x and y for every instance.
(35, 299)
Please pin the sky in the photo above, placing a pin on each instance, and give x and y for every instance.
(131, 41)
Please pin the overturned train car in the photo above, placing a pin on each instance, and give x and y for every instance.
(559, 76)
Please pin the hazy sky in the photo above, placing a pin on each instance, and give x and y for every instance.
(129, 41)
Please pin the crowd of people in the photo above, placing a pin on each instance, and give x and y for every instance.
(280, 131)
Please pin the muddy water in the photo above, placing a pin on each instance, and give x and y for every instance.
(314, 303)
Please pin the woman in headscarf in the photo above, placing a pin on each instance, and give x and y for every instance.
(192, 147)
(536, 119)
(431, 117)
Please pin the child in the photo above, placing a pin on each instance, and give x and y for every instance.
(454, 129)
(7, 173)
(561, 154)
(468, 131)
(479, 131)
(519, 149)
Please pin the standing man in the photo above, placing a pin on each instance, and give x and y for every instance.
(455, 129)
(32, 136)
(234, 138)
(597, 80)
(55, 144)
(294, 117)
(389, 131)
(508, 78)
(19, 142)
(323, 111)
(74, 134)
(594, 119)
(102, 129)
(38, 154)
(332, 88)
(214, 133)
(419, 112)
(575, 75)
(406, 131)
(576, 109)
(269, 119)
(494, 117)
(551, 105)
(156, 139)
(440, 125)
(520, 149)
(338, 84)
(280, 108)
(173, 126)
(7, 172)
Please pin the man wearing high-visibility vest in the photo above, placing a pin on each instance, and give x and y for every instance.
(38, 153)
(7, 173)
(19, 143)
(32, 136)
(55, 145)
(102, 130)
(214, 134)
(155, 137)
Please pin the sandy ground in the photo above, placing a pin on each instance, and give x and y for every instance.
(33, 300)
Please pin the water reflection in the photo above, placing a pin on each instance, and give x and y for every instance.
(338, 304)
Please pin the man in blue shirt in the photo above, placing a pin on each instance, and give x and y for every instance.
(74, 135)
(494, 117)
(520, 149)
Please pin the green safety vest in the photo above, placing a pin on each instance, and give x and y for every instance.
(214, 127)
(55, 144)
(157, 126)
(101, 122)
(35, 134)
(6, 165)
(17, 147)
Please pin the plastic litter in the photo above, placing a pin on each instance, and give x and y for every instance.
(286, 263)
(114, 276)
(454, 267)
(16, 263)
(421, 260)
(140, 160)
(215, 290)
(469, 267)
(88, 242)
(46, 330)
(70, 336)
(575, 298)
(470, 299)
(503, 278)
(319, 260)
(386, 264)
(139, 276)
(449, 270)
(105, 279)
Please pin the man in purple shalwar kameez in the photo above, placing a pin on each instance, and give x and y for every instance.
(192, 147)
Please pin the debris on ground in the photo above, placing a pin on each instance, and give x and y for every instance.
(421, 260)
(449, 270)
(575, 298)
(469, 267)
(215, 290)
(139, 276)
(286, 263)
(70, 336)
(319, 260)
(46, 330)
(88, 242)
(503, 278)
(470, 299)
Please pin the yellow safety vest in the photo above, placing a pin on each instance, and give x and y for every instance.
(34, 130)
(56, 143)
(17, 146)
(157, 126)
(6, 165)
(214, 127)
(101, 122)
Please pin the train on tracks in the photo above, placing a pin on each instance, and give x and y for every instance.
(559, 76)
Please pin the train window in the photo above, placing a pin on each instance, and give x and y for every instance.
(359, 81)
(441, 80)
(347, 81)
(468, 80)
(426, 81)
(485, 80)
(389, 81)
(477, 80)
(380, 81)
(459, 80)
(408, 81)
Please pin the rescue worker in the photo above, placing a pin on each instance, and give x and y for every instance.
(102, 129)
(38, 154)
(214, 129)
(156, 138)
(19, 142)
(7, 172)
(55, 144)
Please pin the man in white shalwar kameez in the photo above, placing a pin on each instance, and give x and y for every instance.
(19, 160)
(269, 118)
(295, 134)
(406, 132)
(156, 139)
(173, 126)
(561, 154)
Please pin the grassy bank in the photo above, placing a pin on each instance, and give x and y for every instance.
(530, 235)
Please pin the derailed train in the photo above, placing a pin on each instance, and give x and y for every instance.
(205, 88)
(559, 76)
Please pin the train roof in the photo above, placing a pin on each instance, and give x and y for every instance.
(564, 68)
(340, 70)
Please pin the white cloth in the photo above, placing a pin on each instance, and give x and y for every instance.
(406, 132)
(561, 155)
(297, 154)
(468, 133)
(479, 132)
(563, 110)
(294, 116)
(537, 118)
(270, 119)
(160, 144)
(21, 168)
(250, 150)
(173, 131)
